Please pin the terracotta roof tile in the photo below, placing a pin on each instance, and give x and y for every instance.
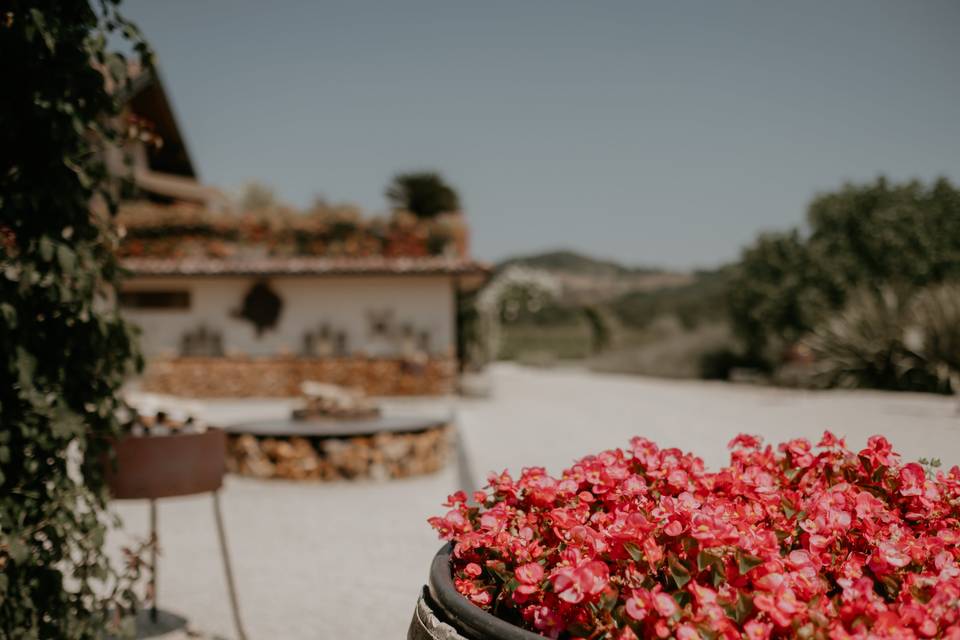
(269, 266)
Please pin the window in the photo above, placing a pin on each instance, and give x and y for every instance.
(155, 299)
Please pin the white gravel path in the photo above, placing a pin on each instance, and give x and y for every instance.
(550, 417)
(347, 559)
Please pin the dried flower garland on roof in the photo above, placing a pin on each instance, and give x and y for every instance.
(790, 542)
(183, 229)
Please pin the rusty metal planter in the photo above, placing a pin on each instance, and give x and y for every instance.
(179, 464)
(150, 467)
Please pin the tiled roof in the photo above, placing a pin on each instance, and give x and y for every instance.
(305, 266)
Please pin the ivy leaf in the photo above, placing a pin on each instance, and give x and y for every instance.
(17, 549)
(41, 26)
(46, 249)
(66, 257)
(746, 562)
(9, 313)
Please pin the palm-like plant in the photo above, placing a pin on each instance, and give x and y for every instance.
(868, 345)
(935, 331)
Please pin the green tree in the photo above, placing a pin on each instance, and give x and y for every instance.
(64, 349)
(776, 296)
(866, 235)
(425, 194)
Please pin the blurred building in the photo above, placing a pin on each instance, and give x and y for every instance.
(241, 303)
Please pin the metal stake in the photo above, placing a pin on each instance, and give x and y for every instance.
(227, 570)
(153, 561)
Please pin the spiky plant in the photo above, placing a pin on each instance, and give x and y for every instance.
(866, 345)
(935, 332)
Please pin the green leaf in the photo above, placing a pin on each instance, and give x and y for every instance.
(746, 562)
(634, 550)
(708, 559)
(679, 573)
(718, 577)
(608, 600)
(41, 26)
(788, 509)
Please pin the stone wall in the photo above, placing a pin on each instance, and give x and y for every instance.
(235, 377)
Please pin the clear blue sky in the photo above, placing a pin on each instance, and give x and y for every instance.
(665, 133)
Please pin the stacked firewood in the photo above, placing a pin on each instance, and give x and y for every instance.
(323, 401)
(236, 377)
(378, 457)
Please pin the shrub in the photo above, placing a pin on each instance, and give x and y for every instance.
(666, 349)
(643, 542)
(876, 234)
(717, 364)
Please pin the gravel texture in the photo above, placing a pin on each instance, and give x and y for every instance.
(347, 559)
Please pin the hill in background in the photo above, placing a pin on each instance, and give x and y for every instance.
(588, 280)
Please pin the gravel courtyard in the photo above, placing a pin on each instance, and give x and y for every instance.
(347, 559)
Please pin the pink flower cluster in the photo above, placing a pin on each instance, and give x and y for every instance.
(789, 542)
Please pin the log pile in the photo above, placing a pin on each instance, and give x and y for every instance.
(379, 457)
(322, 400)
(238, 377)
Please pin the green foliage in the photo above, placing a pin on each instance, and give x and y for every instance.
(425, 194)
(719, 363)
(664, 349)
(861, 235)
(471, 353)
(702, 300)
(64, 350)
(532, 344)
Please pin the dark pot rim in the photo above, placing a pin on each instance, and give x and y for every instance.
(467, 617)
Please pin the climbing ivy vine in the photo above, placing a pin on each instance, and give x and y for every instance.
(64, 350)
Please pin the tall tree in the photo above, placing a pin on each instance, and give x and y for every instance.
(425, 194)
(64, 350)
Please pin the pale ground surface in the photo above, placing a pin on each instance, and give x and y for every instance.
(346, 560)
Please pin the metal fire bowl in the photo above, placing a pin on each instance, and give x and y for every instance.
(166, 466)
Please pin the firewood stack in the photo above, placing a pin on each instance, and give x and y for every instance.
(322, 401)
(379, 457)
(243, 377)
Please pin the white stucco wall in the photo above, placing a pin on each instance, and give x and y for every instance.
(342, 302)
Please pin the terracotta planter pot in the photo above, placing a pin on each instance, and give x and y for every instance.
(165, 466)
(443, 614)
